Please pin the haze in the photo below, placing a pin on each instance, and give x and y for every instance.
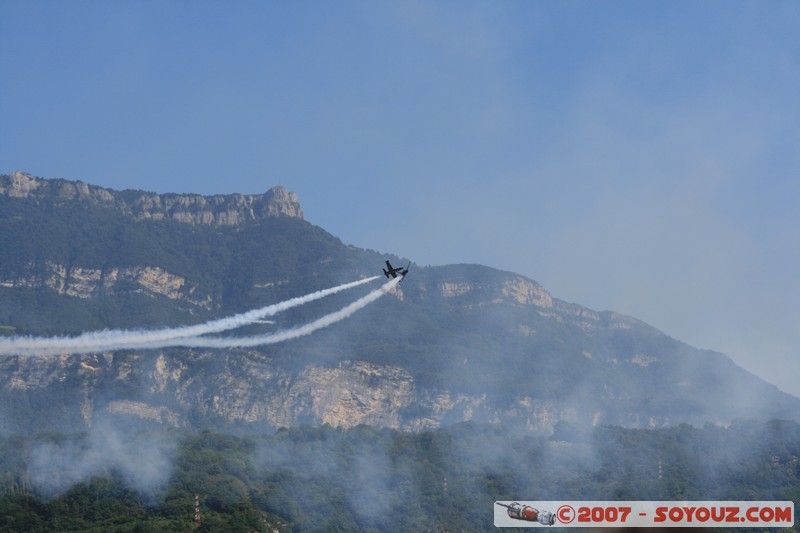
(633, 156)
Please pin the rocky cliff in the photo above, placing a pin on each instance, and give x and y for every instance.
(86, 283)
(223, 210)
(249, 390)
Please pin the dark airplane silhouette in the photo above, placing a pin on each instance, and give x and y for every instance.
(393, 272)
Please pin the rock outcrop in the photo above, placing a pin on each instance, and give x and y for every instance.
(253, 390)
(222, 210)
(85, 283)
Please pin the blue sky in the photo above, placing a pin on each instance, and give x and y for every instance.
(635, 156)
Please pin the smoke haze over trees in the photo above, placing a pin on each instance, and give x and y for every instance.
(370, 479)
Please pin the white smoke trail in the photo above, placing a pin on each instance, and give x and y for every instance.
(280, 336)
(106, 340)
(256, 315)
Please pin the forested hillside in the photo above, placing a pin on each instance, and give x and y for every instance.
(369, 479)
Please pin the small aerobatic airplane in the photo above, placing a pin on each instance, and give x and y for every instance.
(393, 272)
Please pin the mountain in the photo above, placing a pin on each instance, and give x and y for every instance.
(452, 343)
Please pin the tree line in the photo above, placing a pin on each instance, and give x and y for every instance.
(371, 479)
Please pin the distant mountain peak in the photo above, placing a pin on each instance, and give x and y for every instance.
(223, 210)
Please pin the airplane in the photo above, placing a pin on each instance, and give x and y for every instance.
(526, 512)
(393, 272)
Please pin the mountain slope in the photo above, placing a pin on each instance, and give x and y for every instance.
(461, 342)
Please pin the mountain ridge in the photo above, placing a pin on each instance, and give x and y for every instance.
(226, 210)
(452, 343)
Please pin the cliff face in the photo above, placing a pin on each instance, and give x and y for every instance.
(87, 283)
(252, 390)
(222, 210)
